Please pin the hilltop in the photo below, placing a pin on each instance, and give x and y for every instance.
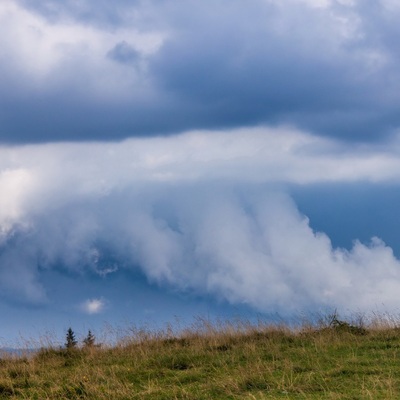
(333, 359)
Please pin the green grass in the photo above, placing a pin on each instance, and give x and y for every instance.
(333, 360)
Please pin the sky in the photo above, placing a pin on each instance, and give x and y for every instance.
(165, 160)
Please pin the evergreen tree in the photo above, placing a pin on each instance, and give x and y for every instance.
(70, 339)
(89, 339)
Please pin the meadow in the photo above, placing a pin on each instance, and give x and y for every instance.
(329, 358)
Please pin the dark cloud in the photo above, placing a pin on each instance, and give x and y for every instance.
(280, 64)
(124, 53)
(331, 71)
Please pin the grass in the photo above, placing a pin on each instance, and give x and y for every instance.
(331, 359)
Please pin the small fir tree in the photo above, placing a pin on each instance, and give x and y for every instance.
(70, 339)
(89, 340)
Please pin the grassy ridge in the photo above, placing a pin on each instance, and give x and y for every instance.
(334, 360)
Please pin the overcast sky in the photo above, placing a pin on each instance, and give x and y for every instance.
(167, 158)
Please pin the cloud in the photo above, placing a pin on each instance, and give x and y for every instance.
(150, 68)
(205, 213)
(31, 176)
(245, 246)
(93, 306)
(102, 14)
(67, 86)
(19, 281)
(124, 53)
(33, 179)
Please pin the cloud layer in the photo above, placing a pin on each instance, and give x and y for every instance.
(204, 213)
(165, 137)
(72, 71)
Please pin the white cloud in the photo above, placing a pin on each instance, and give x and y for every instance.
(198, 212)
(16, 186)
(317, 3)
(253, 248)
(257, 155)
(40, 178)
(48, 55)
(262, 253)
(93, 306)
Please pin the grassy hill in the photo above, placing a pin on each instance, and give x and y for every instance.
(333, 359)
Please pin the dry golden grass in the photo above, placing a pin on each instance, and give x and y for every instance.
(331, 359)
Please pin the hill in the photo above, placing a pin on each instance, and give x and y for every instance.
(330, 360)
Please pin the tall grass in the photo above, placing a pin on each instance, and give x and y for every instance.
(327, 358)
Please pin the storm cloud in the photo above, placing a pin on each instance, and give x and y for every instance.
(71, 71)
(178, 155)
